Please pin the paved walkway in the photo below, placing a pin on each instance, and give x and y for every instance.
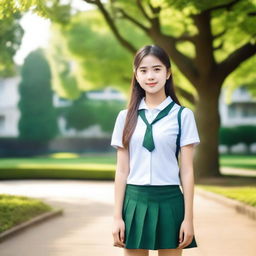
(85, 228)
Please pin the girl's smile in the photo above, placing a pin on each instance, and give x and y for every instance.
(151, 84)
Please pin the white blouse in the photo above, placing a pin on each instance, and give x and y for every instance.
(159, 167)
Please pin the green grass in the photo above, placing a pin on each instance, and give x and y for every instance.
(67, 159)
(238, 161)
(18, 209)
(244, 194)
(87, 167)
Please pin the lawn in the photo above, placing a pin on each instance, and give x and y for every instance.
(238, 161)
(87, 166)
(245, 194)
(65, 166)
(93, 166)
(18, 209)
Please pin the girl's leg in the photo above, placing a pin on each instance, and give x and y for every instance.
(169, 252)
(135, 252)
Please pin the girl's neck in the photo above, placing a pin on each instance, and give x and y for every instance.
(153, 100)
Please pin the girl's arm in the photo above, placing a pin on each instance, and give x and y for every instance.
(122, 171)
(187, 182)
(187, 179)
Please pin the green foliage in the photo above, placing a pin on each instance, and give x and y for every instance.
(85, 112)
(38, 117)
(97, 58)
(246, 134)
(62, 66)
(11, 32)
(227, 136)
(80, 114)
(18, 209)
(239, 134)
(10, 39)
(110, 110)
(246, 194)
(53, 9)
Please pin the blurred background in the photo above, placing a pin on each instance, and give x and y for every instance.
(66, 69)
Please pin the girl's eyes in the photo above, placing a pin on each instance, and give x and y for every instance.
(144, 70)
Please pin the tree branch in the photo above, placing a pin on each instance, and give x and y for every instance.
(252, 14)
(139, 4)
(236, 58)
(219, 46)
(185, 94)
(154, 10)
(186, 37)
(184, 63)
(219, 34)
(112, 25)
(227, 6)
(128, 17)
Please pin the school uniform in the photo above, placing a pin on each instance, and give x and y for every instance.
(153, 206)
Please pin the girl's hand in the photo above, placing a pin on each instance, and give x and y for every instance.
(118, 232)
(186, 234)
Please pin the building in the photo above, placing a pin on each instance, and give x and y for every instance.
(9, 112)
(241, 110)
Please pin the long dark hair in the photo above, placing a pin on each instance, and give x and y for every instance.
(137, 93)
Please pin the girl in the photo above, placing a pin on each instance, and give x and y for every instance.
(151, 212)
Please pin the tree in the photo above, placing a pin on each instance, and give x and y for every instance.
(97, 62)
(228, 136)
(85, 112)
(38, 120)
(219, 43)
(246, 134)
(11, 34)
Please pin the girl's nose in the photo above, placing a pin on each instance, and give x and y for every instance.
(150, 75)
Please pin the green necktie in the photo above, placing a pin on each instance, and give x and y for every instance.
(148, 141)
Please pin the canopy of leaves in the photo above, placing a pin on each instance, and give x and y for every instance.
(55, 10)
(97, 58)
(10, 39)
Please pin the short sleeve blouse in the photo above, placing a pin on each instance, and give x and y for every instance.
(159, 167)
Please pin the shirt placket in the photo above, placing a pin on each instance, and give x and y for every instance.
(151, 114)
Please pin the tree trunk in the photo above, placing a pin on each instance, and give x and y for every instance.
(206, 162)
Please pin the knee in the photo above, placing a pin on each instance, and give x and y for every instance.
(135, 252)
(169, 252)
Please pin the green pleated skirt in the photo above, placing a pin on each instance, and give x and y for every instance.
(153, 215)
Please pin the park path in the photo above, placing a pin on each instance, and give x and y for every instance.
(85, 227)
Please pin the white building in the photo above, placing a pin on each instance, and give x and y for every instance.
(9, 112)
(241, 110)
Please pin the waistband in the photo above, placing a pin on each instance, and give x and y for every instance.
(159, 187)
(153, 191)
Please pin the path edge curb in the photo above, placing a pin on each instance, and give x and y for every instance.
(22, 226)
(240, 207)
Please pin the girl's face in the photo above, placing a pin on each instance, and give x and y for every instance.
(152, 74)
